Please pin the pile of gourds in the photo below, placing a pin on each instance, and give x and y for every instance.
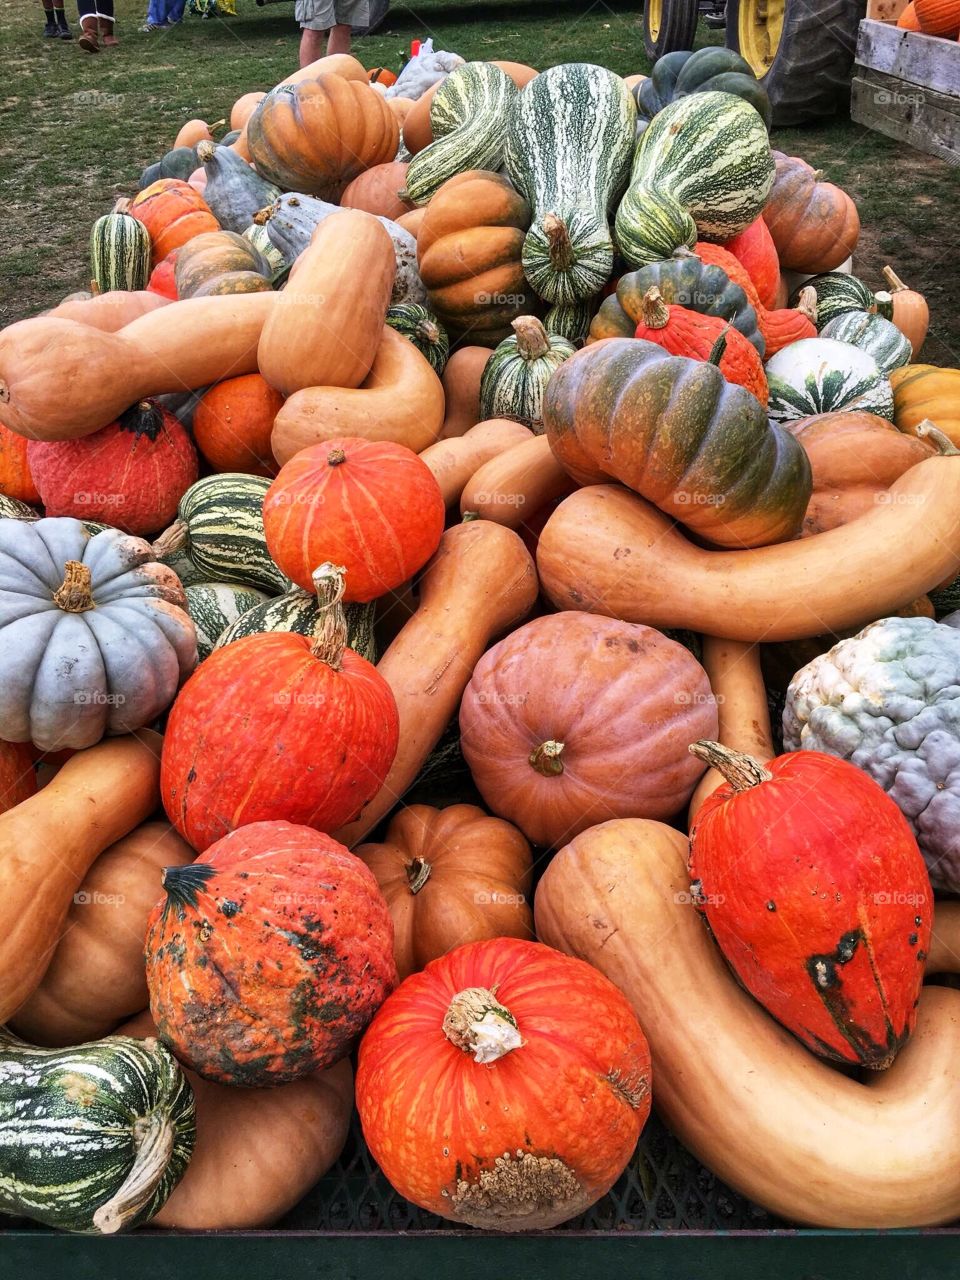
(532, 432)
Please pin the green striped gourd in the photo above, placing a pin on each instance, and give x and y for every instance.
(837, 293)
(214, 606)
(184, 568)
(219, 527)
(571, 321)
(14, 509)
(467, 117)
(568, 147)
(871, 333)
(259, 237)
(92, 1138)
(424, 330)
(821, 375)
(119, 251)
(298, 611)
(706, 157)
(516, 375)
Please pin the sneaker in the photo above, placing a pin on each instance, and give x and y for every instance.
(50, 31)
(64, 32)
(151, 26)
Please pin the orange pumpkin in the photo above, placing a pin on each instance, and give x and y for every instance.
(15, 478)
(756, 252)
(505, 1086)
(911, 314)
(925, 391)
(815, 225)
(450, 876)
(232, 424)
(18, 779)
(938, 17)
(790, 324)
(317, 135)
(173, 212)
(376, 191)
(244, 107)
(773, 325)
(908, 18)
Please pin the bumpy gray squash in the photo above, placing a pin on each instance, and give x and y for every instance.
(888, 700)
(94, 634)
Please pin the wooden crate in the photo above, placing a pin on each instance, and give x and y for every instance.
(907, 86)
(886, 10)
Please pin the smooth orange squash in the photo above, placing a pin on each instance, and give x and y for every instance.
(244, 107)
(344, 65)
(96, 976)
(376, 191)
(110, 311)
(461, 389)
(326, 326)
(48, 843)
(174, 348)
(400, 108)
(417, 129)
(924, 392)
(454, 461)
(911, 314)
(195, 131)
(401, 399)
(757, 1108)
(514, 485)
(412, 221)
(480, 583)
(232, 424)
(607, 551)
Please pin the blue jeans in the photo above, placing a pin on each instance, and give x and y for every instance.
(162, 11)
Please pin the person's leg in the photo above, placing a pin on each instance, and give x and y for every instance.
(175, 12)
(316, 17)
(50, 29)
(88, 41)
(311, 46)
(338, 41)
(348, 14)
(105, 10)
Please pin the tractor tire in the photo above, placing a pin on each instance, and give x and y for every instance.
(377, 14)
(668, 26)
(804, 61)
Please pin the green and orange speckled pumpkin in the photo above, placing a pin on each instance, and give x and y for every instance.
(505, 1086)
(268, 956)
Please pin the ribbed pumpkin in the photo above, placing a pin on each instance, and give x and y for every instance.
(516, 375)
(757, 254)
(318, 135)
(279, 726)
(938, 17)
(18, 779)
(505, 1086)
(268, 956)
(815, 225)
(377, 191)
(688, 333)
(450, 876)
(173, 212)
(790, 324)
(232, 424)
(551, 706)
(216, 256)
(15, 478)
(907, 309)
(468, 253)
(924, 391)
(815, 890)
(130, 474)
(772, 324)
(372, 506)
(163, 277)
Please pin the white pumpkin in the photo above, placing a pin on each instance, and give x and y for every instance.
(823, 375)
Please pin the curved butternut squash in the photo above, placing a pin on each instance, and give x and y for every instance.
(607, 551)
(244, 107)
(736, 681)
(412, 221)
(344, 65)
(258, 1151)
(461, 389)
(110, 311)
(96, 977)
(518, 72)
(513, 486)
(326, 325)
(400, 107)
(174, 348)
(454, 461)
(480, 583)
(401, 399)
(756, 1107)
(49, 842)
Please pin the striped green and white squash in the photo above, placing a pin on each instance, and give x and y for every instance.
(871, 333)
(259, 237)
(571, 322)
(14, 509)
(424, 330)
(92, 1138)
(214, 606)
(516, 375)
(184, 568)
(822, 375)
(707, 154)
(568, 146)
(837, 293)
(298, 611)
(467, 118)
(219, 527)
(119, 251)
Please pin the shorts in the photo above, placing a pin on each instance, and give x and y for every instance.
(321, 15)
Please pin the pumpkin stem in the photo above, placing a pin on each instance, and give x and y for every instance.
(74, 595)
(154, 1138)
(171, 540)
(206, 151)
(558, 241)
(330, 633)
(468, 517)
(335, 457)
(654, 312)
(122, 205)
(217, 124)
(807, 303)
(143, 418)
(928, 430)
(546, 758)
(719, 348)
(893, 280)
(477, 1024)
(95, 289)
(427, 329)
(418, 873)
(533, 340)
(741, 771)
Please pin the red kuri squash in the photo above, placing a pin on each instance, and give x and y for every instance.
(756, 252)
(369, 505)
(16, 480)
(817, 894)
(163, 277)
(505, 1086)
(268, 956)
(279, 726)
(232, 424)
(173, 212)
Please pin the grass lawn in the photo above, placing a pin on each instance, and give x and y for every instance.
(76, 129)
